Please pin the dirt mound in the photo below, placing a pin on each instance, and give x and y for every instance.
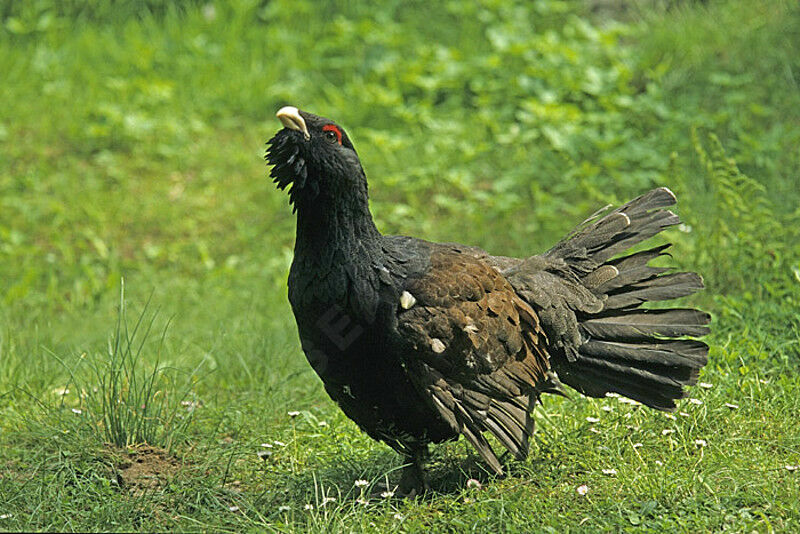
(144, 469)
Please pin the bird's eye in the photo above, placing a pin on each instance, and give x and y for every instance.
(332, 133)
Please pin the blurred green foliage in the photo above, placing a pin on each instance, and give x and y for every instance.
(131, 144)
(520, 117)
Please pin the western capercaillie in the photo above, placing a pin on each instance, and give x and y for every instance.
(422, 342)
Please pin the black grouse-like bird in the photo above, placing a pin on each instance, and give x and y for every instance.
(421, 342)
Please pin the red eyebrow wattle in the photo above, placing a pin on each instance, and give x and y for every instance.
(335, 129)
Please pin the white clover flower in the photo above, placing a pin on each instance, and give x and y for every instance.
(583, 489)
(361, 483)
(606, 408)
(700, 442)
(667, 432)
(326, 500)
(670, 416)
(387, 494)
(474, 483)
(696, 401)
(610, 472)
(76, 411)
(308, 507)
(398, 517)
(362, 501)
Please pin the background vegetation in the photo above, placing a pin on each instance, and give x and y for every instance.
(131, 143)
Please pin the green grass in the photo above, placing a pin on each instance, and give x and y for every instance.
(131, 144)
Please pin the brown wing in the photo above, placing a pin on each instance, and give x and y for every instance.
(479, 351)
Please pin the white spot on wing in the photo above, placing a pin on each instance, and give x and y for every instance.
(407, 300)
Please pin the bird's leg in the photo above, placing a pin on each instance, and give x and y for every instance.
(413, 481)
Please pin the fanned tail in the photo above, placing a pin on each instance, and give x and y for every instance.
(643, 354)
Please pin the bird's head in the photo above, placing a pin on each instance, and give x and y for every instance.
(315, 157)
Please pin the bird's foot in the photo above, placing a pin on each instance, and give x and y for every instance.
(413, 482)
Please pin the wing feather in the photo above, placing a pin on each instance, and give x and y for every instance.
(477, 351)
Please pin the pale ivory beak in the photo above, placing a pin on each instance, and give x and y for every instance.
(290, 117)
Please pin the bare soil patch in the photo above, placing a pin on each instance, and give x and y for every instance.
(145, 468)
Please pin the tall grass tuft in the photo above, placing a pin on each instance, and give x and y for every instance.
(130, 400)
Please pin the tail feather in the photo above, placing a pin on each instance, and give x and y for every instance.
(652, 377)
(666, 287)
(600, 238)
(644, 325)
(595, 383)
(683, 353)
(643, 354)
(630, 270)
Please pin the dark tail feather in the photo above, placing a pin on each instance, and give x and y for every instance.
(636, 352)
(644, 325)
(598, 238)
